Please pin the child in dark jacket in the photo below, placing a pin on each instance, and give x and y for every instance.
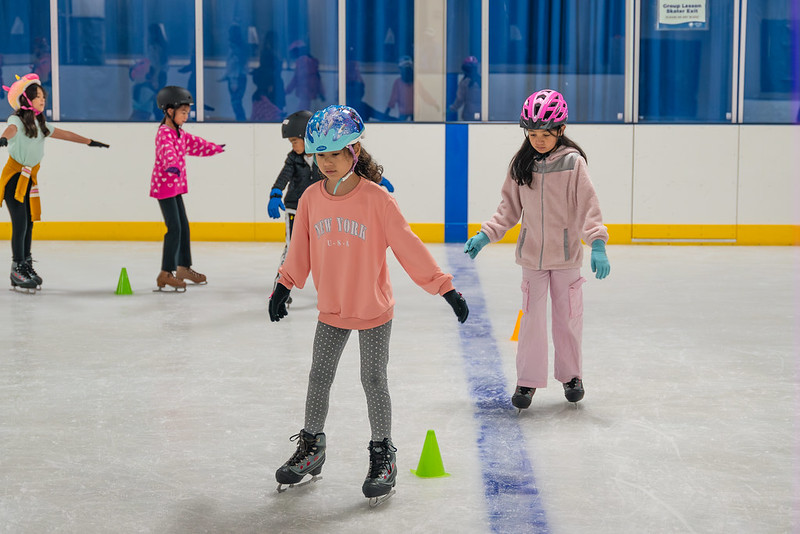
(299, 171)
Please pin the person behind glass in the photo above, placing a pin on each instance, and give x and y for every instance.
(299, 171)
(158, 58)
(306, 82)
(24, 136)
(403, 91)
(468, 94)
(343, 226)
(42, 63)
(355, 89)
(168, 184)
(548, 187)
(236, 70)
(142, 92)
(269, 98)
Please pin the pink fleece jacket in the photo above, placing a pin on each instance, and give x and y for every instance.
(558, 210)
(342, 240)
(171, 151)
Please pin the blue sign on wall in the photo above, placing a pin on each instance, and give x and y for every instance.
(674, 15)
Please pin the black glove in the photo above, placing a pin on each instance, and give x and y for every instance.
(92, 142)
(459, 305)
(277, 303)
(3, 141)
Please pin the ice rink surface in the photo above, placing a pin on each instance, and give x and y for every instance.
(169, 413)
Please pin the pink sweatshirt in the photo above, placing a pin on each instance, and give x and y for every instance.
(171, 151)
(343, 240)
(559, 210)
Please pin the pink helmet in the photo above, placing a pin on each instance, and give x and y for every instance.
(543, 110)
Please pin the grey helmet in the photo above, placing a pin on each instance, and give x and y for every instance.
(295, 124)
(173, 96)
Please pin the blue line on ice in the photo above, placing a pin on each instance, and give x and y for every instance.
(512, 496)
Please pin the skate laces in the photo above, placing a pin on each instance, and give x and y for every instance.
(575, 383)
(528, 392)
(188, 272)
(304, 448)
(29, 266)
(26, 269)
(380, 457)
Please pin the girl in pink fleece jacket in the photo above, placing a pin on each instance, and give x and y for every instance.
(168, 185)
(343, 226)
(548, 186)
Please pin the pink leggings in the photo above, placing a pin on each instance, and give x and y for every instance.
(567, 317)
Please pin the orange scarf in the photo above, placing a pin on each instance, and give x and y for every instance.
(13, 167)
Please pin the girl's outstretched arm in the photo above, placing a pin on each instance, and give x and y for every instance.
(66, 135)
(8, 133)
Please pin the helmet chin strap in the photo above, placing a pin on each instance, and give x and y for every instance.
(349, 173)
(31, 108)
(341, 180)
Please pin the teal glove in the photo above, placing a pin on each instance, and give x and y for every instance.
(475, 244)
(599, 260)
(275, 203)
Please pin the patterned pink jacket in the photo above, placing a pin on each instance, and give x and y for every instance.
(171, 151)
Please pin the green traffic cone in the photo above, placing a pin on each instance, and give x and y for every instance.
(124, 285)
(430, 461)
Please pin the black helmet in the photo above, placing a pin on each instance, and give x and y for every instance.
(173, 96)
(295, 124)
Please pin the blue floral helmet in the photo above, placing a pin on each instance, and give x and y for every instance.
(333, 128)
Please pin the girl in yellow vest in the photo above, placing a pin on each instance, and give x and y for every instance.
(18, 179)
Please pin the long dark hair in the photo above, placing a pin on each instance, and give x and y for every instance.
(524, 162)
(28, 117)
(368, 168)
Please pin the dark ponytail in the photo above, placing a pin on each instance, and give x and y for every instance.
(523, 164)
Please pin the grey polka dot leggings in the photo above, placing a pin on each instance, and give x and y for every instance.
(329, 343)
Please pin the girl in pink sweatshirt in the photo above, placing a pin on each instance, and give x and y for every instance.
(168, 185)
(548, 187)
(343, 226)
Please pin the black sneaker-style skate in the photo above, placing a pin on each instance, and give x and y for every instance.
(307, 460)
(32, 273)
(573, 390)
(380, 481)
(522, 397)
(20, 278)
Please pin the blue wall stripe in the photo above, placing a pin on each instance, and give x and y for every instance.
(456, 174)
(509, 484)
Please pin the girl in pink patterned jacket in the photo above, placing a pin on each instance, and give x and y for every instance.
(168, 185)
(548, 187)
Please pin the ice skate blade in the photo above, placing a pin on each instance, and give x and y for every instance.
(19, 289)
(283, 487)
(170, 290)
(377, 501)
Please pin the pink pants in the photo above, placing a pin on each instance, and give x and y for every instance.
(566, 295)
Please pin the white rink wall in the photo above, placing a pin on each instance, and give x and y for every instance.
(644, 174)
